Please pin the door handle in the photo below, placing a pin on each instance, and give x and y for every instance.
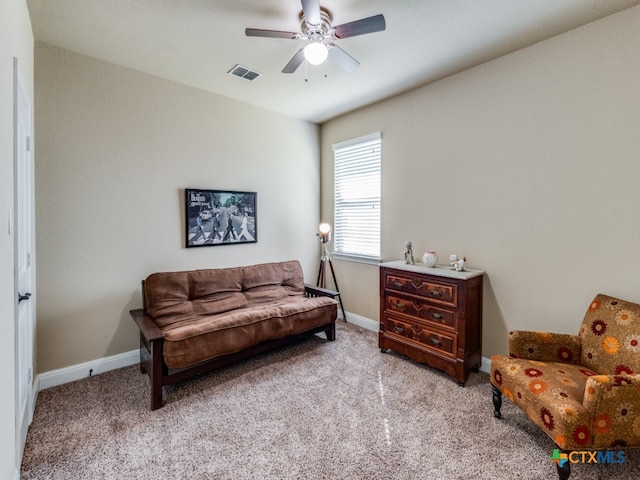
(26, 296)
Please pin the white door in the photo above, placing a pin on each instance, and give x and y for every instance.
(23, 260)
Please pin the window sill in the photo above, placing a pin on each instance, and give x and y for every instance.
(356, 258)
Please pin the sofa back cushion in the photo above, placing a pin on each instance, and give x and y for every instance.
(610, 335)
(172, 297)
(271, 282)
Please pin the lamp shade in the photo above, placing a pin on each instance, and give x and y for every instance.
(315, 53)
(324, 232)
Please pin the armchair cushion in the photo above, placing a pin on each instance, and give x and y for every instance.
(550, 393)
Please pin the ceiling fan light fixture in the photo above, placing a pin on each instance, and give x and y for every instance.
(316, 27)
(316, 53)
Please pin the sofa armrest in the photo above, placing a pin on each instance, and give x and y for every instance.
(148, 328)
(311, 291)
(151, 360)
(545, 346)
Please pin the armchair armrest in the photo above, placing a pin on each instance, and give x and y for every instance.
(148, 328)
(613, 402)
(311, 291)
(545, 346)
(601, 389)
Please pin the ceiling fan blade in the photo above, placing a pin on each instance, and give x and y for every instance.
(360, 27)
(311, 9)
(257, 32)
(295, 62)
(342, 58)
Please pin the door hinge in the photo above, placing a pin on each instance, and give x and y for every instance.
(28, 143)
(28, 259)
(30, 376)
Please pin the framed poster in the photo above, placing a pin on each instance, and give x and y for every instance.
(220, 217)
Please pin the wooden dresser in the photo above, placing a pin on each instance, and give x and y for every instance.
(432, 315)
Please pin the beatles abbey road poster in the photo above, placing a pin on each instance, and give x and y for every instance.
(220, 217)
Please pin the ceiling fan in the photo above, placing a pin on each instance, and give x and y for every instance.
(315, 24)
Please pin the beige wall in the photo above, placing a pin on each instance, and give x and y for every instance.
(528, 165)
(16, 40)
(115, 149)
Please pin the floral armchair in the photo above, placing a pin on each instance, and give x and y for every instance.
(582, 390)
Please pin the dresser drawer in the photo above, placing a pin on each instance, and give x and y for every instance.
(419, 333)
(421, 309)
(439, 292)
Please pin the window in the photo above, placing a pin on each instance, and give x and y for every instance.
(357, 197)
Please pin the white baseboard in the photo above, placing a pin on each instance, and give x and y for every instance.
(485, 365)
(102, 365)
(364, 322)
(87, 369)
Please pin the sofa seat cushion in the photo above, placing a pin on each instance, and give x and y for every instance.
(551, 394)
(197, 338)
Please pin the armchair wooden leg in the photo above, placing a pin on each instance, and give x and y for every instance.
(497, 401)
(564, 471)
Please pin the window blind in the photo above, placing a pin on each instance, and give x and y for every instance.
(357, 165)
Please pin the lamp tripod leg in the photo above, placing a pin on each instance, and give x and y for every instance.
(321, 279)
(333, 274)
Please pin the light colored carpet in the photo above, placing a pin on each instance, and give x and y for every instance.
(316, 410)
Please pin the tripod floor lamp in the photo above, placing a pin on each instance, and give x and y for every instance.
(324, 235)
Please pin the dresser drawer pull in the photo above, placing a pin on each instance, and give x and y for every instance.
(399, 329)
(398, 284)
(436, 293)
(399, 305)
(436, 342)
(437, 316)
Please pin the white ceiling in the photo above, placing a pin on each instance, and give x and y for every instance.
(196, 42)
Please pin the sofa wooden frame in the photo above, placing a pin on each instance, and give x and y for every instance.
(152, 343)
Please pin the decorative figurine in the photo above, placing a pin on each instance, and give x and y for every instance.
(458, 264)
(408, 253)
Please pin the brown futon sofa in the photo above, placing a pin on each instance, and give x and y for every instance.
(195, 321)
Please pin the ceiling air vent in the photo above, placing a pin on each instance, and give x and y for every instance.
(244, 72)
